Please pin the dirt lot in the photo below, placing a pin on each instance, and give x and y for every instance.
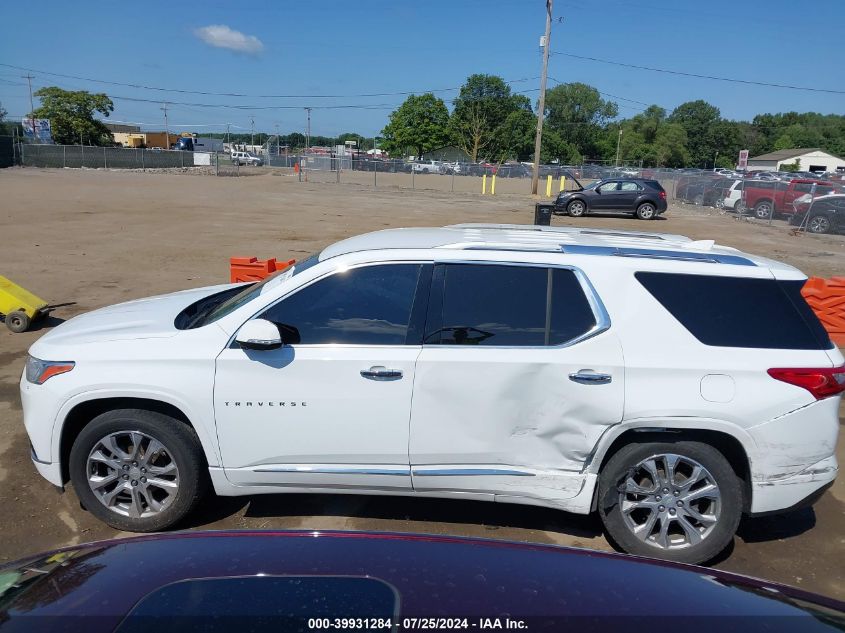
(92, 238)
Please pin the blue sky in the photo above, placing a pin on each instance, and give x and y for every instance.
(352, 47)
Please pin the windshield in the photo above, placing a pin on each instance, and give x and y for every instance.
(215, 311)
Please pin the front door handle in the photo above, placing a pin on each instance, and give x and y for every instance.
(589, 377)
(380, 372)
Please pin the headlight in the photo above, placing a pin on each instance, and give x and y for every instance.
(39, 371)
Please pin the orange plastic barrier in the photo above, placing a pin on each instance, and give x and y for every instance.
(254, 269)
(827, 299)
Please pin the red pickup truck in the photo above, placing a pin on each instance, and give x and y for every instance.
(764, 197)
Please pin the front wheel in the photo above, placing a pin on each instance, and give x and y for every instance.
(680, 501)
(646, 211)
(576, 208)
(819, 224)
(138, 470)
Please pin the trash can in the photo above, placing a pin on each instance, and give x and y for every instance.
(543, 214)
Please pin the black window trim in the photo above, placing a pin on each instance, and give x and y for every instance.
(435, 305)
(423, 281)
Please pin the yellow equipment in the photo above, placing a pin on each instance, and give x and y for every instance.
(19, 306)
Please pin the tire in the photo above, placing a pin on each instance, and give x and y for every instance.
(698, 200)
(576, 208)
(763, 210)
(17, 321)
(105, 448)
(817, 224)
(717, 512)
(739, 207)
(646, 211)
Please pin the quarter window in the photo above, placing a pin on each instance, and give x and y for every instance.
(370, 305)
(497, 305)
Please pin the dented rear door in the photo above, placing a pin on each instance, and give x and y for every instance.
(516, 382)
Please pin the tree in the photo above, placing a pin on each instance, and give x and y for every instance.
(577, 113)
(479, 119)
(71, 114)
(420, 124)
(697, 118)
(516, 135)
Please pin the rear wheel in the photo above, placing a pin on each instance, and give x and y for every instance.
(680, 500)
(137, 470)
(646, 211)
(818, 224)
(739, 206)
(576, 208)
(763, 210)
(698, 200)
(17, 321)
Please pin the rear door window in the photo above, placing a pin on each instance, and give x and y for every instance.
(739, 312)
(501, 305)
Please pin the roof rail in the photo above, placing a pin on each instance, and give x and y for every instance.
(710, 257)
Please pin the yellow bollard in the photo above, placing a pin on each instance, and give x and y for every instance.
(549, 186)
(562, 184)
(484, 184)
(493, 186)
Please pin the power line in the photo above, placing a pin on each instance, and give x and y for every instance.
(240, 94)
(686, 74)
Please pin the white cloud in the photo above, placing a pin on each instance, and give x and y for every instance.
(221, 36)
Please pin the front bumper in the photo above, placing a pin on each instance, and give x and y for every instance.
(51, 471)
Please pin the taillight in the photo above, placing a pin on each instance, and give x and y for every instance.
(662, 195)
(822, 383)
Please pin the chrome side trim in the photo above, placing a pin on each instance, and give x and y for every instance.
(339, 470)
(459, 472)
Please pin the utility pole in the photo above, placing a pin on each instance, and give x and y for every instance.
(277, 139)
(715, 158)
(227, 134)
(252, 126)
(308, 130)
(29, 79)
(166, 128)
(538, 139)
(618, 143)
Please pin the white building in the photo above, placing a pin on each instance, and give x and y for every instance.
(809, 159)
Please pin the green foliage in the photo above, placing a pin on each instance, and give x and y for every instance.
(796, 166)
(71, 114)
(420, 124)
(577, 113)
(479, 121)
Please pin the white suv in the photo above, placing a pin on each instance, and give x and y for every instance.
(245, 158)
(583, 370)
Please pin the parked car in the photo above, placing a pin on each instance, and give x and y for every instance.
(428, 167)
(646, 199)
(468, 362)
(767, 198)
(514, 170)
(308, 581)
(245, 158)
(732, 197)
(826, 215)
(705, 191)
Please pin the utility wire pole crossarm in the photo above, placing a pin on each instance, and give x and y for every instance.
(541, 110)
(166, 128)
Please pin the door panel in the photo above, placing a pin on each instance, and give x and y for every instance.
(476, 411)
(516, 382)
(331, 407)
(306, 416)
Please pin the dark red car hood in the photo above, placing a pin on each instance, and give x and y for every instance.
(93, 587)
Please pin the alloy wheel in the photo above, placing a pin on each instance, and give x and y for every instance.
(670, 501)
(819, 224)
(132, 474)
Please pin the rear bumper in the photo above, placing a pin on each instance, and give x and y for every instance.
(798, 491)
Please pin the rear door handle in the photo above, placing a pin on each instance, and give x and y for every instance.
(380, 372)
(589, 377)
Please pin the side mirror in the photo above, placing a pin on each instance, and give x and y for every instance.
(259, 334)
